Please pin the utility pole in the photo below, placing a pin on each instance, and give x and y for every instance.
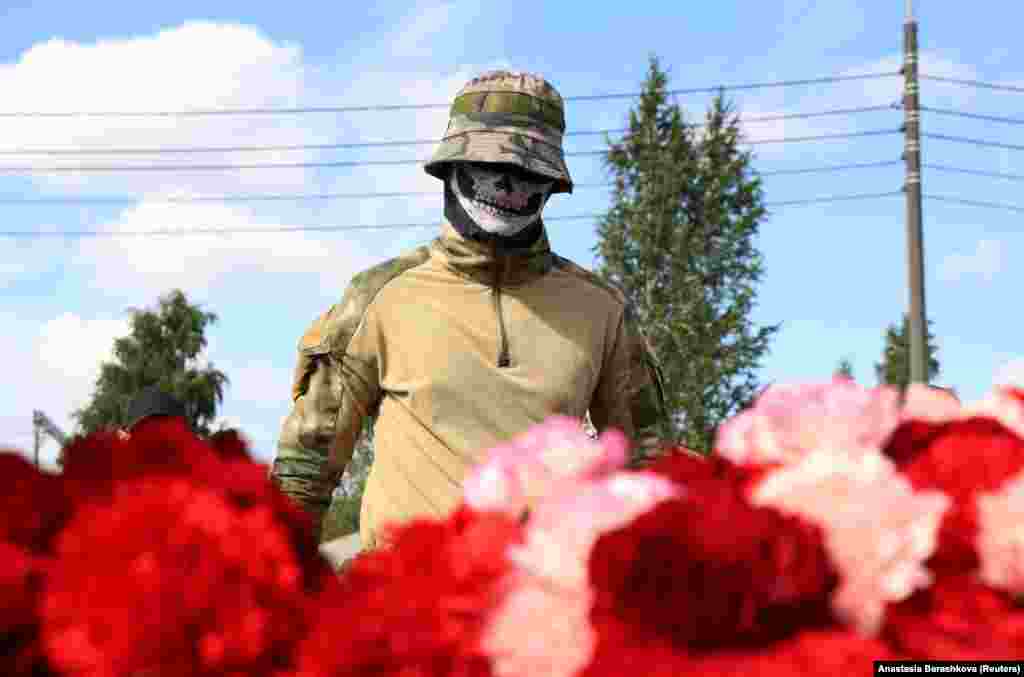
(41, 423)
(36, 433)
(918, 324)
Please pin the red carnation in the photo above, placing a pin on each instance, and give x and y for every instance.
(686, 469)
(170, 578)
(230, 445)
(418, 607)
(246, 485)
(957, 618)
(164, 446)
(710, 570)
(962, 458)
(33, 506)
(167, 447)
(650, 659)
(21, 580)
(824, 652)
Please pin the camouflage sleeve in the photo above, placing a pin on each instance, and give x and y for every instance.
(630, 393)
(335, 387)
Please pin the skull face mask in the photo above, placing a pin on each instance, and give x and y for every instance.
(501, 199)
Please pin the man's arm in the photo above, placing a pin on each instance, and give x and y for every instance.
(630, 393)
(335, 387)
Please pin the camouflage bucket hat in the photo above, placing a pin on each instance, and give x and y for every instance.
(514, 118)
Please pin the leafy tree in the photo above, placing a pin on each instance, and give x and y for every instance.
(679, 241)
(845, 368)
(162, 349)
(894, 369)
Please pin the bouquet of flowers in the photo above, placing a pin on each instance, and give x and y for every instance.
(834, 525)
(159, 554)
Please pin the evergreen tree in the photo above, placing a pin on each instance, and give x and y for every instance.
(845, 368)
(679, 240)
(894, 369)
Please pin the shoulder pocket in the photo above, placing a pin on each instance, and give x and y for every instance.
(313, 346)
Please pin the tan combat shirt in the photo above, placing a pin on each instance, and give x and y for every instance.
(455, 349)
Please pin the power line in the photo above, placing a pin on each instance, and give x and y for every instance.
(974, 116)
(824, 137)
(391, 226)
(29, 169)
(280, 197)
(835, 198)
(234, 231)
(303, 110)
(973, 142)
(973, 83)
(975, 172)
(832, 168)
(305, 197)
(975, 203)
(383, 144)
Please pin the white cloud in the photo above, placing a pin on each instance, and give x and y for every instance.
(55, 365)
(985, 262)
(1011, 373)
(197, 264)
(74, 347)
(195, 66)
(251, 381)
(845, 95)
(421, 29)
(890, 90)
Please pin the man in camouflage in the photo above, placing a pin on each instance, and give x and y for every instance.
(456, 346)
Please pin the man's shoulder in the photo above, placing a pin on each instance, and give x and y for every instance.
(333, 330)
(372, 280)
(609, 289)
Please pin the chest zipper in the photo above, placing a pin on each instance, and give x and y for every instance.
(503, 357)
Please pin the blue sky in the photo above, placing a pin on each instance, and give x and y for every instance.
(836, 273)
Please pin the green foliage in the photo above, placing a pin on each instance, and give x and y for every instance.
(894, 369)
(342, 517)
(162, 349)
(845, 368)
(679, 239)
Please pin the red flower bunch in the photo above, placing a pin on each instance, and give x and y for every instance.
(962, 458)
(958, 618)
(417, 606)
(709, 570)
(32, 511)
(811, 652)
(159, 553)
(836, 526)
(170, 578)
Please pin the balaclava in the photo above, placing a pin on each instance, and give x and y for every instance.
(499, 204)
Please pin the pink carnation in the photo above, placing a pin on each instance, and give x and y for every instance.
(790, 421)
(878, 530)
(516, 475)
(1000, 540)
(931, 405)
(924, 403)
(1000, 405)
(542, 627)
(540, 630)
(563, 529)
